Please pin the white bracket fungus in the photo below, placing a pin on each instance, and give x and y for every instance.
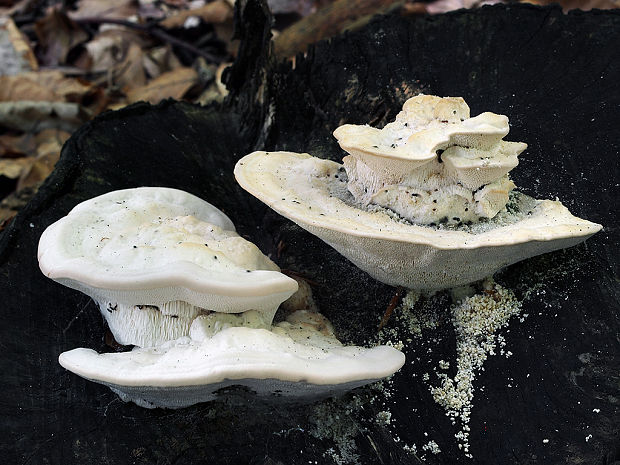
(156, 258)
(172, 277)
(433, 163)
(328, 199)
(298, 358)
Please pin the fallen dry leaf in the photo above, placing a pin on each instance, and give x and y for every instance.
(218, 11)
(57, 34)
(117, 105)
(209, 95)
(38, 170)
(104, 52)
(129, 73)
(15, 88)
(173, 84)
(71, 89)
(443, 6)
(52, 86)
(12, 203)
(226, 32)
(149, 10)
(301, 7)
(328, 21)
(221, 87)
(50, 140)
(12, 146)
(108, 9)
(11, 8)
(43, 153)
(16, 55)
(160, 60)
(49, 86)
(14, 167)
(110, 46)
(34, 116)
(216, 90)
(182, 3)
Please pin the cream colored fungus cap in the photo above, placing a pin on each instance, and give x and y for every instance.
(152, 245)
(298, 357)
(310, 192)
(426, 125)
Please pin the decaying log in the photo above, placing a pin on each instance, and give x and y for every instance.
(555, 75)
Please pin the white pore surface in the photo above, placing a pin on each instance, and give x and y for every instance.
(148, 326)
(432, 162)
(150, 246)
(308, 191)
(299, 357)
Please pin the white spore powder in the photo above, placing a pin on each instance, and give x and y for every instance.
(476, 320)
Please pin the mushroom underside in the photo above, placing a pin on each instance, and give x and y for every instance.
(152, 325)
(423, 267)
(148, 317)
(185, 396)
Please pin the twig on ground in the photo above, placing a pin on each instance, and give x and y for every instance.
(390, 308)
(154, 30)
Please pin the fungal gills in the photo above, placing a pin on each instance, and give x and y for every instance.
(433, 163)
(148, 325)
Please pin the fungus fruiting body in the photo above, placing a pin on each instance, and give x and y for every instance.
(432, 162)
(154, 259)
(172, 277)
(295, 357)
(425, 203)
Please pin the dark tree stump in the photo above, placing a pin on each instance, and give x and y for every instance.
(556, 76)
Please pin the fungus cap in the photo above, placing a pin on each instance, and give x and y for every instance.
(146, 245)
(313, 193)
(427, 124)
(298, 357)
(457, 166)
(155, 258)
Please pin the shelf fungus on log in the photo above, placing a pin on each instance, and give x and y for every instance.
(433, 163)
(154, 259)
(424, 203)
(172, 277)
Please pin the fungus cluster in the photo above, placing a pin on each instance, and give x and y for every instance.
(173, 278)
(385, 208)
(433, 164)
(424, 203)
